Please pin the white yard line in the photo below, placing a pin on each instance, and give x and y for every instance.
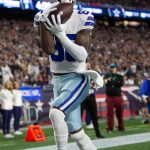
(3, 145)
(106, 143)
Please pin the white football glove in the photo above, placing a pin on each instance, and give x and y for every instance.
(98, 80)
(41, 16)
(55, 27)
(37, 19)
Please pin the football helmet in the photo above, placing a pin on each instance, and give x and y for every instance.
(67, 1)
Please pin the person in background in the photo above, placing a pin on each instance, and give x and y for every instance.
(1, 77)
(145, 93)
(6, 101)
(114, 82)
(6, 71)
(88, 121)
(17, 107)
(90, 105)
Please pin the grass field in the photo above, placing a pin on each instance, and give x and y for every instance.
(132, 127)
(140, 146)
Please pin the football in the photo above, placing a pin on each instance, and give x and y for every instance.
(66, 8)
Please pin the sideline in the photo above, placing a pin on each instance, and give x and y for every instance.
(106, 143)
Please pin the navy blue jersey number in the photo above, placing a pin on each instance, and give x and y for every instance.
(61, 54)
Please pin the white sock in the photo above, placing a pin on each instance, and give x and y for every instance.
(83, 141)
(60, 128)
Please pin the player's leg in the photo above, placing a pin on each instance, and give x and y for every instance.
(57, 118)
(74, 89)
(60, 128)
(76, 131)
(73, 119)
(67, 89)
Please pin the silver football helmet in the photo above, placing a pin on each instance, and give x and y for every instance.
(67, 1)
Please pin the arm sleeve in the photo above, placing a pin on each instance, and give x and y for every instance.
(76, 51)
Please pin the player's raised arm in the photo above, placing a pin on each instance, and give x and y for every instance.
(77, 50)
(84, 38)
(47, 41)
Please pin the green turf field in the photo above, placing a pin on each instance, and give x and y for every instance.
(140, 146)
(132, 127)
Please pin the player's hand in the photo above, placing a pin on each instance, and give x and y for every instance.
(41, 16)
(37, 19)
(55, 27)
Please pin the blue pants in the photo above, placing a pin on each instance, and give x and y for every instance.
(69, 92)
(17, 112)
(6, 118)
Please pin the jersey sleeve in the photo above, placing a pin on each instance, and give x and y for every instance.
(87, 20)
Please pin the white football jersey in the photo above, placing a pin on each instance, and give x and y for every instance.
(62, 61)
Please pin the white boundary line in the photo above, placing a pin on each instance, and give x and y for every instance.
(106, 143)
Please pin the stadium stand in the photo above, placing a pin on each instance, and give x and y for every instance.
(130, 4)
(126, 46)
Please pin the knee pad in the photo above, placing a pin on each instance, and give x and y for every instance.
(57, 118)
(60, 128)
(56, 115)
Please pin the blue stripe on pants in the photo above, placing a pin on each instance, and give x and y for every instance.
(73, 92)
(77, 97)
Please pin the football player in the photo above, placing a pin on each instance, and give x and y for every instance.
(68, 53)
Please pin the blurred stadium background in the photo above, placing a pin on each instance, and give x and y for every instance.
(121, 35)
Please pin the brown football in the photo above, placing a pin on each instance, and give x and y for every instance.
(66, 8)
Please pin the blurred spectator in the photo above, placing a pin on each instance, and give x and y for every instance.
(33, 70)
(6, 72)
(114, 100)
(130, 4)
(20, 51)
(1, 77)
(6, 101)
(145, 93)
(17, 107)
